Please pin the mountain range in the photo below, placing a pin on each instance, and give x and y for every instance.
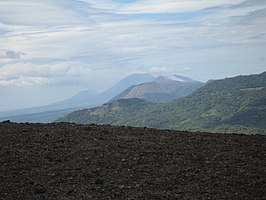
(161, 89)
(235, 104)
(145, 86)
(84, 99)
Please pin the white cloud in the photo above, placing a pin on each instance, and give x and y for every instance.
(9, 54)
(23, 81)
(159, 6)
(163, 70)
(89, 38)
(21, 74)
(42, 13)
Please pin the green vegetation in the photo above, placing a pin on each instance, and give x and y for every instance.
(116, 112)
(235, 105)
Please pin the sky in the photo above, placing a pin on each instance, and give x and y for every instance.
(52, 49)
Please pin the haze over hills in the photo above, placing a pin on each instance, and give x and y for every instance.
(229, 105)
(78, 100)
(91, 98)
(83, 99)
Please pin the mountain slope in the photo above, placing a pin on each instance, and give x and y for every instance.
(122, 85)
(230, 105)
(115, 112)
(221, 103)
(162, 89)
(150, 91)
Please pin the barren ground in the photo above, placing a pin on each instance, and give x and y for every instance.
(68, 161)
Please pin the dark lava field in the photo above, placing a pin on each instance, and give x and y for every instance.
(70, 161)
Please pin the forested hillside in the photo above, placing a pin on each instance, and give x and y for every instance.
(230, 105)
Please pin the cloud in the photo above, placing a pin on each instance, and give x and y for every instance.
(158, 6)
(23, 81)
(255, 18)
(75, 41)
(44, 13)
(163, 70)
(21, 74)
(12, 54)
(252, 3)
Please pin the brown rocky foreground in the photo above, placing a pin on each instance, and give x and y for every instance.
(68, 161)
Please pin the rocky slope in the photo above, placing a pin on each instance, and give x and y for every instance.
(69, 161)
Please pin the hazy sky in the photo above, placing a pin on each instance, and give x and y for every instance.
(51, 49)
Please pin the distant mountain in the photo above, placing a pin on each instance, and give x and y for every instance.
(161, 89)
(84, 99)
(230, 105)
(122, 85)
(88, 98)
(151, 91)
